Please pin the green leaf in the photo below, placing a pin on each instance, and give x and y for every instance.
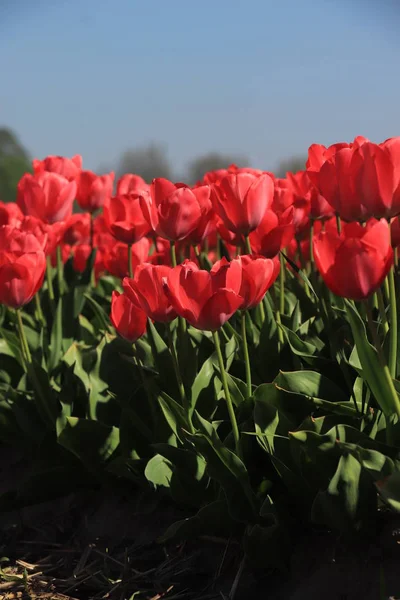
(10, 345)
(159, 471)
(301, 273)
(310, 383)
(174, 414)
(99, 312)
(389, 489)
(378, 378)
(212, 519)
(203, 383)
(267, 546)
(94, 443)
(226, 468)
(348, 499)
(56, 337)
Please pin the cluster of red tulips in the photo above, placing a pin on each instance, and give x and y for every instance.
(341, 212)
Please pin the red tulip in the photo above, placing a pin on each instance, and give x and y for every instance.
(206, 223)
(258, 274)
(161, 254)
(22, 267)
(127, 318)
(67, 167)
(12, 239)
(205, 299)
(228, 236)
(77, 229)
(363, 181)
(124, 218)
(172, 210)
(131, 184)
(355, 263)
(283, 197)
(147, 291)
(395, 232)
(318, 154)
(241, 200)
(47, 196)
(49, 235)
(10, 214)
(94, 190)
(116, 257)
(80, 256)
(274, 233)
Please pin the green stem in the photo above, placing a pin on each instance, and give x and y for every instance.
(30, 370)
(39, 311)
(233, 331)
(382, 311)
(178, 376)
(24, 342)
(92, 274)
(387, 374)
(91, 231)
(373, 330)
(303, 265)
(60, 271)
(311, 242)
(338, 224)
(49, 279)
(196, 252)
(181, 321)
(228, 399)
(172, 250)
(130, 267)
(282, 277)
(248, 245)
(393, 325)
(246, 355)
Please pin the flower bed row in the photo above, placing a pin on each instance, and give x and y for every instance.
(234, 343)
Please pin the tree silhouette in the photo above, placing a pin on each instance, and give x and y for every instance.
(149, 162)
(14, 162)
(292, 165)
(211, 162)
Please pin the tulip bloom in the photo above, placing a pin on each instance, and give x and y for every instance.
(94, 190)
(395, 232)
(127, 318)
(258, 274)
(116, 257)
(206, 223)
(173, 211)
(318, 154)
(12, 239)
(77, 229)
(67, 167)
(363, 181)
(205, 299)
(49, 235)
(241, 200)
(46, 196)
(124, 218)
(355, 263)
(22, 267)
(274, 233)
(147, 291)
(131, 184)
(10, 214)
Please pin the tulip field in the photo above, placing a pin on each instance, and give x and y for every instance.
(230, 349)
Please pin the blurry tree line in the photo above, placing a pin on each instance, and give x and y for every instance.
(148, 161)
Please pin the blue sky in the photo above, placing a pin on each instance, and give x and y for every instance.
(258, 78)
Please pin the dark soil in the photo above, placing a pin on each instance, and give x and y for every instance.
(103, 544)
